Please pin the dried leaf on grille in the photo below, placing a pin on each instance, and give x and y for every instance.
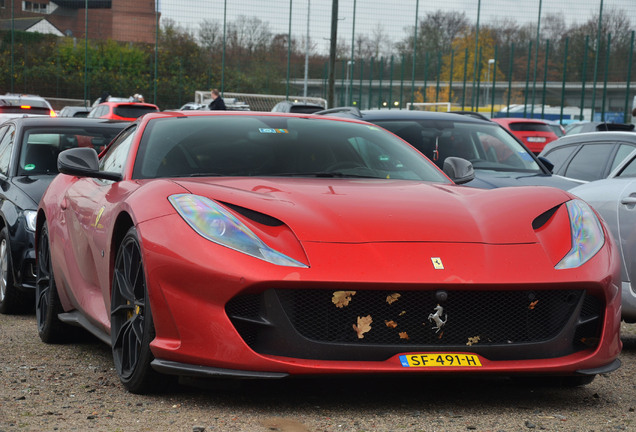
(533, 304)
(404, 335)
(342, 298)
(392, 298)
(440, 335)
(363, 326)
(473, 340)
(390, 324)
(402, 313)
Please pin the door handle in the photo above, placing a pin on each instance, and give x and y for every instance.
(630, 200)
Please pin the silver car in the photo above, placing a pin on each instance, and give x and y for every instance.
(615, 199)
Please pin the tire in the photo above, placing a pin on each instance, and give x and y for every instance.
(47, 300)
(12, 299)
(132, 327)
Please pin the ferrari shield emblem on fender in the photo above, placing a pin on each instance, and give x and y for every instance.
(437, 263)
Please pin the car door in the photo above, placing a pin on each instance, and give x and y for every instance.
(90, 206)
(627, 217)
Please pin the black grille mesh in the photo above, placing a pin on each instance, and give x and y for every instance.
(471, 317)
(484, 317)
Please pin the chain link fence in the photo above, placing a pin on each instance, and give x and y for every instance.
(535, 58)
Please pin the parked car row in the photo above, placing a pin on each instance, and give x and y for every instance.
(331, 245)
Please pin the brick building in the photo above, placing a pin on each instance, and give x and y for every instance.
(120, 20)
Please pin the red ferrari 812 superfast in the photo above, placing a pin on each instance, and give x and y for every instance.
(268, 245)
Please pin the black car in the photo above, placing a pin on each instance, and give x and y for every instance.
(28, 162)
(590, 156)
(74, 111)
(497, 157)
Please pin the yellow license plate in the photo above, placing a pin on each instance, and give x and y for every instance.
(440, 360)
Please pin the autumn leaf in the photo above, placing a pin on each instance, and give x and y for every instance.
(533, 304)
(404, 335)
(342, 298)
(392, 298)
(473, 340)
(402, 313)
(363, 326)
(391, 324)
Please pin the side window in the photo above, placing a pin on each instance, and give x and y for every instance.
(6, 147)
(559, 155)
(589, 163)
(623, 151)
(629, 170)
(115, 158)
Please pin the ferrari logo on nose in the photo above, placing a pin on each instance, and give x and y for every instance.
(437, 263)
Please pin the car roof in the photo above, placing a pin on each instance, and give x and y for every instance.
(65, 121)
(374, 115)
(591, 137)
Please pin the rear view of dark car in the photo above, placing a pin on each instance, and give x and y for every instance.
(28, 162)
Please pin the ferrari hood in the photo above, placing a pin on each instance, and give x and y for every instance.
(358, 211)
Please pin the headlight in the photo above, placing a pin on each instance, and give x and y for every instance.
(30, 216)
(216, 224)
(587, 235)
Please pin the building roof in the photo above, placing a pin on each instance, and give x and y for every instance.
(37, 24)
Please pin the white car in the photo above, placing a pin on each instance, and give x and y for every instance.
(17, 105)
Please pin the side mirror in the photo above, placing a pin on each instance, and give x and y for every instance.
(459, 170)
(546, 163)
(83, 162)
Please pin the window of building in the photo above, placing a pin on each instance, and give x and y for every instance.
(29, 6)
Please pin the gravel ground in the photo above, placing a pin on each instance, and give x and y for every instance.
(75, 388)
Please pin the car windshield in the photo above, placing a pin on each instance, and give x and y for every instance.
(40, 146)
(487, 145)
(276, 146)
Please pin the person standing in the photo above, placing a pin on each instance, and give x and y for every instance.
(217, 101)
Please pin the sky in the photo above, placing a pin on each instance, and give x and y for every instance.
(391, 16)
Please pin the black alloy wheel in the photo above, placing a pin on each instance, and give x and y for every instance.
(132, 327)
(47, 300)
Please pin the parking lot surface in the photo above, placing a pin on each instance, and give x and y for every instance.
(75, 388)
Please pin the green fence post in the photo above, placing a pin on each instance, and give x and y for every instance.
(525, 97)
(370, 82)
(417, 7)
(598, 51)
(511, 71)
(450, 78)
(439, 63)
(465, 73)
(479, 66)
(475, 76)
(583, 76)
(565, 72)
(360, 87)
(545, 77)
(380, 83)
(425, 76)
(607, 60)
(391, 84)
(627, 114)
(402, 81)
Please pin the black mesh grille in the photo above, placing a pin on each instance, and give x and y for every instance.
(494, 317)
(307, 323)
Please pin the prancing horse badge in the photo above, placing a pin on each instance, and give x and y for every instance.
(437, 263)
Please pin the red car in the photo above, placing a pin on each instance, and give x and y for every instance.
(535, 134)
(128, 111)
(265, 245)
